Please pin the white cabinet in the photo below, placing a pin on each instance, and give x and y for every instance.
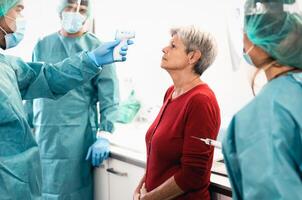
(123, 179)
(101, 182)
(117, 180)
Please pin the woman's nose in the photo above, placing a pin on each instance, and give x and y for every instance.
(164, 50)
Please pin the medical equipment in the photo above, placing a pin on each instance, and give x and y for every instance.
(209, 142)
(103, 54)
(123, 36)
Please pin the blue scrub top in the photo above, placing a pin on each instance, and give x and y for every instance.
(263, 144)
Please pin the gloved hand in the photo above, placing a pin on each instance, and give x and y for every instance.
(104, 53)
(98, 152)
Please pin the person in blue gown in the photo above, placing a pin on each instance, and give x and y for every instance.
(65, 128)
(263, 145)
(20, 166)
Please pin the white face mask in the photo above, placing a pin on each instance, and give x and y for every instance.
(72, 22)
(13, 39)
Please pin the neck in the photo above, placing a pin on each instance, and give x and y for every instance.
(71, 35)
(2, 37)
(2, 40)
(184, 83)
(276, 71)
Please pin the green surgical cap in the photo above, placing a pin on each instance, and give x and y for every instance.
(64, 3)
(6, 5)
(276, 27)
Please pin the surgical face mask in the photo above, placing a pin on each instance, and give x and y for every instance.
(13, 39)
(72, 22)
(246, 56)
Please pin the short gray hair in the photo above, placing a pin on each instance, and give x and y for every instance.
(195, 39)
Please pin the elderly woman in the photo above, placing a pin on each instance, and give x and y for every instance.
(263, 146)
(178, 165)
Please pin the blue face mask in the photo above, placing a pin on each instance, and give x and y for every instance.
(72, 22)
(246, 56)
(13, 39)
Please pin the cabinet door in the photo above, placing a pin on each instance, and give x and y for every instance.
(101, 182)
(123, 179)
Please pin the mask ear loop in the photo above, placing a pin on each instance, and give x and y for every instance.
(2, 29)
(78, 8)
(250, 49)
(265, 68)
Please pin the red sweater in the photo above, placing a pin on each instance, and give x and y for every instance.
(171, 151)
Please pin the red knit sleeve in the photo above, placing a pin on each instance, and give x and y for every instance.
(202, 120)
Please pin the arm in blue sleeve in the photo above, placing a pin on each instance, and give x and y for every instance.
(231, 161)
(28, 104)
(47, 80)
(108, 97)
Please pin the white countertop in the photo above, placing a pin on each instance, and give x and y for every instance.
(132, 137)
(129, 136)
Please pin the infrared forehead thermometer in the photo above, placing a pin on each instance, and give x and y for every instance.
(123, 36)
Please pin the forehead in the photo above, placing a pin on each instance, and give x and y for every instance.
(16, 9)
(176, 39)
(83, 2)
(20, 4)
(74, 5)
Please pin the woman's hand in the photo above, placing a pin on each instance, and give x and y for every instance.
(137, 192)
(136, 196)
(143, 193)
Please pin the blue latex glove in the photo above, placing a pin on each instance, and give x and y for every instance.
(98, 152)
(104, 54)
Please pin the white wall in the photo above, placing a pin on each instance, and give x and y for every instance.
(151, 20)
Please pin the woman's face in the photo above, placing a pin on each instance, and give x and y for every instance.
(257, 54)
(175, 56)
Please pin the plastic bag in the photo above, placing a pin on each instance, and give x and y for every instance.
(128, 109)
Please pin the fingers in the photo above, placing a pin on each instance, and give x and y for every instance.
(96, 159)
(106, 155)
(113, 43)
(93, 159)
(143, 189)
(99, 157)
(136, 196)
(124, 48)
(130, 42)
(88, 153)
(123, 52)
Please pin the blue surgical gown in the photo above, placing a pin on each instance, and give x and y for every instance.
(65, 128)
(263, 145)
(20, 168)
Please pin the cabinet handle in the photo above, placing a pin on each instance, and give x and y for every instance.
(111, 170)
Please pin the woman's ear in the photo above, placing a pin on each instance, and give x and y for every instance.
(194, 56)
